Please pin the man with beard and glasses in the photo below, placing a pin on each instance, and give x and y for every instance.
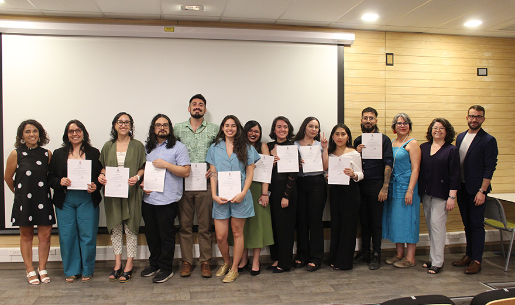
(374, 191)
(197, 134)
(478, 158)
(160, 208)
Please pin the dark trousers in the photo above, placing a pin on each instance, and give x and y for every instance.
(472, 217)
(283, 224)
(345, 202)
(371, 214)
(160, 233)
(311, 198)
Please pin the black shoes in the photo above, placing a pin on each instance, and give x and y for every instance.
(162, 276)
(149, 271)
(312, 268)
(375, 262)
(362, 257)
(299, 264)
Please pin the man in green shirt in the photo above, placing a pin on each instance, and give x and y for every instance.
(197, 134)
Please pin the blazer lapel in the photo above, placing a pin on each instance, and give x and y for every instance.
(477, 139)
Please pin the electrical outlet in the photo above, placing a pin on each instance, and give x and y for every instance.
(15, 252)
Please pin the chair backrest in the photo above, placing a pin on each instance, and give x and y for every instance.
(495, 211)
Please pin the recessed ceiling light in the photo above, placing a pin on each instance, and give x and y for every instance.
(192, 7)
(370, 17)
(473, 23)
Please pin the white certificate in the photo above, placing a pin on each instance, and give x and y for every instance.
(79, 173)
(117, 182)
(289, 159)
(197, 179)
(263, 170)
(312, 157)
(373, 145)
(335, 170)
(229, 184)
(154, 178)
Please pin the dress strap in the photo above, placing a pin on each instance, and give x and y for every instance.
(404, 145)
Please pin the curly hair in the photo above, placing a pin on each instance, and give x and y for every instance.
(86, 143)
(406, 119)
(43, 136)
(449, 130)
(114, 133)
(152, 137)
(248, 126)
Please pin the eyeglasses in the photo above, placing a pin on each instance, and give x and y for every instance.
(402, 124)
(74, 131)
(368, 118)
(478, 117)
(120, 123)
(165, 125)
(438, 128)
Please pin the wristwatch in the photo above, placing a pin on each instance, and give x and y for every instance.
(481, 191)
(453, 198)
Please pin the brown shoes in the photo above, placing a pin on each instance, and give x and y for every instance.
(205, 267)
(473, 268)
(463, 262)
(186, 269)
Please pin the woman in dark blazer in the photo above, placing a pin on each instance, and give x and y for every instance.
(77, 210)
(438, 183)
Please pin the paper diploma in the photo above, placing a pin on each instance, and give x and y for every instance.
(117, 182)
(229, 184)
(197, 180)
(289, 159)
(373, 145)
(154, 178)
(263, 170)
(79, 173)
(312, 157)
(335, 171)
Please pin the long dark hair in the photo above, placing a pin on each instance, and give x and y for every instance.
(86, 143)
(290, 135)
(43, 137)
(449, 130)
(248, 126)
(302, 130)
(240, 138)
(152, 137)
(332, 145)
(114, 133)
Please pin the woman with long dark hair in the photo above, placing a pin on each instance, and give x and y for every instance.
(344, 201)
(257, 231)
(77, 210)
(231, 152)
(311, 198)
(122, 150)
(26, 172)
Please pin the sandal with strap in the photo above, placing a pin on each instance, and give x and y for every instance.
(72, 278)
(86, 278)
(127, 276)
(434, 270)
(33, 281)
(427, 265)
(116, 274)
(43, 275)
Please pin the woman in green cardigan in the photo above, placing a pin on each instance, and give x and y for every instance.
(123, 213)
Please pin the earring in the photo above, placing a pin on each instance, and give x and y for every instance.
(395, 131)
(22, 141)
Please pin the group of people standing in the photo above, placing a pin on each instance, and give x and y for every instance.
(384, 194)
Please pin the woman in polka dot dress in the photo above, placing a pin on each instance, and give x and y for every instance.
(28, 165)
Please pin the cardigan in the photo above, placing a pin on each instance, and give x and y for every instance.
(440, 172)
(58, 169)
(126, 210)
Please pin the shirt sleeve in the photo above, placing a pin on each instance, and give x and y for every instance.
(210, 157)
(454, 169)
(252, 155)
(387, 151)
(357, 168)
(182, 158)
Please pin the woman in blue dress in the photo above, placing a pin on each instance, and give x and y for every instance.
(401, 216)
(231, 152)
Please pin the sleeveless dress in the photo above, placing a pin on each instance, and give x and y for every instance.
(401, 222)
(32, 204)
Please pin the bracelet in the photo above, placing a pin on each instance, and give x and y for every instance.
(137, 176)
(453, 198)
(481, 191)
(103, 174)
(264, 195)
(411, 191)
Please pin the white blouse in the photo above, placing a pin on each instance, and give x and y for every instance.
(355, 163)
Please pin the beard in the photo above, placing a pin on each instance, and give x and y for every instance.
(474, 128)
(162, 135)
(366, 129)
(196, 115)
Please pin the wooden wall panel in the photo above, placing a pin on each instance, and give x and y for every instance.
(435, 76)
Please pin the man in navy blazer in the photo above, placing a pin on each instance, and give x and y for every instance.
(478, 157)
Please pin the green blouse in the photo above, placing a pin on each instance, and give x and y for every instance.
(126, 210)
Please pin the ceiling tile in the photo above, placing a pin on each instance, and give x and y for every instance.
(319, 11)
(132, 16)
(386, 9)
(437, 12)
(211, 9)
(494, 33)
(74, 14)
(67, 6)
(247, 20)
(302, 22)
(33, 12)
(192, 18)
(252, 9)
(146, 7)
(410, 29)
(16, 4)
(355, 26)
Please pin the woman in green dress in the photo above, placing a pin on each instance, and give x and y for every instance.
(258, 229)
(122, 150)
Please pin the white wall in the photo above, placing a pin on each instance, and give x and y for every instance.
(54, 79)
